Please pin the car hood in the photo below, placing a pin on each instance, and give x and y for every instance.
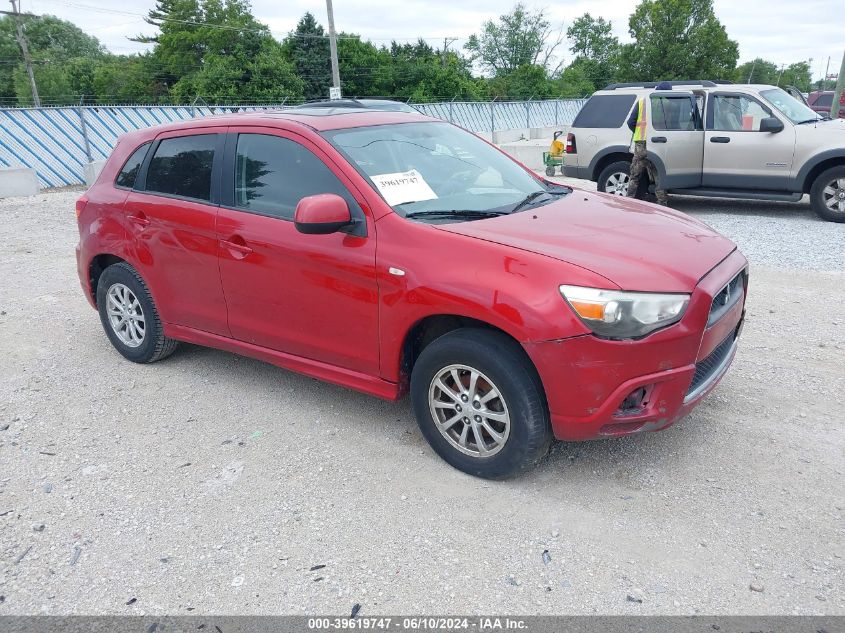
(635, 245)
(822, 135)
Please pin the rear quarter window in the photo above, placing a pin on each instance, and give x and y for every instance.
(129, 171)
(605, 111)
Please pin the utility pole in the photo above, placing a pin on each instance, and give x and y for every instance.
(446, 42)
(751, 74)
(25, 50)
(824, 77)
(837, 92)
(335, 91)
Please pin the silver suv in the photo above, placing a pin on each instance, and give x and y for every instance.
(715, 139)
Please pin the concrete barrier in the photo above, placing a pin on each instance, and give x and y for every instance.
(92, 170)
(509, 136)
(18, 181)
(528, 153)
(547, 132)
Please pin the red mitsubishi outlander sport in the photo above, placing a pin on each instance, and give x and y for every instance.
(390, 252)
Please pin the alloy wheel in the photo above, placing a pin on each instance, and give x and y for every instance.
(617, 184)
(125, 315)
(833, 195)
(469, 411)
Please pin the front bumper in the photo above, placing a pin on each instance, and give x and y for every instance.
(587, 379)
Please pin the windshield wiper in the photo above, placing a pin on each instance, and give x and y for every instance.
(816, 120)
(531, 197)
(455, 213)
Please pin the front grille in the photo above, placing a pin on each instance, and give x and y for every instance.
(707, 367)
(727, 297)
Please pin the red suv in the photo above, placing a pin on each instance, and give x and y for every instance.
(390, 252)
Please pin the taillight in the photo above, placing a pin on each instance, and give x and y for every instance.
(80, 206)
(570, 144)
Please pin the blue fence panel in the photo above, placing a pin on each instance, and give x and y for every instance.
(59, 142)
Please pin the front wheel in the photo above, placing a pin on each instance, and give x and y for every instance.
(827, 195)
(479, 403)
(550, 171)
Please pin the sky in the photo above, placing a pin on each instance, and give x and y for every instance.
(782, 31)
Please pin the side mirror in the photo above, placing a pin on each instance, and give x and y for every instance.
(771, 124)
(321, 214)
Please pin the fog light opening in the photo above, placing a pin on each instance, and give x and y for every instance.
(635, 402)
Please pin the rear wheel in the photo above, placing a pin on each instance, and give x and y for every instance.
(827, 195)
(614, 178)
(479, 403)
(129, 316)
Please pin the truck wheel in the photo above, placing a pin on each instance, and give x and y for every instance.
(614, 178)
(129, 315)
(480, 404)
(827, 195)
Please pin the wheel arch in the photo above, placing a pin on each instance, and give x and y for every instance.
(824, 161)
(431, 327)
(607, 156)
(96, 267)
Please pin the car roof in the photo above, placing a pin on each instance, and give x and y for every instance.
(685, 87)
(313, 119)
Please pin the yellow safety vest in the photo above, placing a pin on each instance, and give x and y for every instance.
(640, 129)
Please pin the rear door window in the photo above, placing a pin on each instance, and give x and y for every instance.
(678, 112)
(129, 172)
(607, 111)
(182, 167)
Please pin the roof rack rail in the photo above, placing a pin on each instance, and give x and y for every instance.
(705, 83)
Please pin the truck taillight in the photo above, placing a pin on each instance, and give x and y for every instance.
(570, 144)
(80, 206)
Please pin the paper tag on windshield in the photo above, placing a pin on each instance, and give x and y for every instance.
(402, 187)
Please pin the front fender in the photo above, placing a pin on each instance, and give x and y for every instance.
(451, 274)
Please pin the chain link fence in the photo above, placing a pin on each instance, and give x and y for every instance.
(59, 142)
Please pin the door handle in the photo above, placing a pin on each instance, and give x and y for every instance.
(659, 139)
(720, 139)
(139, 220)
(238, 248)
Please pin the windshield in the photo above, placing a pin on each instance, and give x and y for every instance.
(434, 168)
(789, 105)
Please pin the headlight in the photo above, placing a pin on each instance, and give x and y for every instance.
(623, 315)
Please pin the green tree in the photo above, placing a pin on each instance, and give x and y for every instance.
(595, 47)
(574, 82)
(519, 39)
(757, 71)
(216, 49)
(64, 58)
(420, 72)
(677, 39)
(799, 75)
(526, 82)
(308, 48)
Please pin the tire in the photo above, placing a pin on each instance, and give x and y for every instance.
(622, 170)
(550, 171)
(122, 296)
(518, 404)
(827, 195)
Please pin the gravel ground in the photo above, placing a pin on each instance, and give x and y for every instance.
(211, 484)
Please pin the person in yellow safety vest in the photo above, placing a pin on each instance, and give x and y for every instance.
(638, 123)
